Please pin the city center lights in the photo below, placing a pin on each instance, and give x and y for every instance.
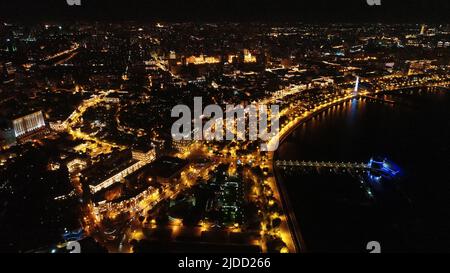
(231, 127)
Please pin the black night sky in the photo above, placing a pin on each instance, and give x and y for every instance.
(230, 10)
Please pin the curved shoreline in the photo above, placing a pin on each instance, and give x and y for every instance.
(287, 208)
(292, 222)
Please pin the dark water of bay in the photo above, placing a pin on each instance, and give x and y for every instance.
(413, 213)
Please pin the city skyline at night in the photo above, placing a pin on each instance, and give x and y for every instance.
(224, 127)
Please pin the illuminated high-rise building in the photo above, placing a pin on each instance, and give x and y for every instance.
(28, 124)
(423, 29)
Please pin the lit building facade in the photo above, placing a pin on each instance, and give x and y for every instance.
(28, 124)
(249, 57)
(117, 178)
(147, 157)
(202, 60)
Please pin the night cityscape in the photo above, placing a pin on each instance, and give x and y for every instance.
(355, 158)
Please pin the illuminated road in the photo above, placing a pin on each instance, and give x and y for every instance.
(71, 56)
(72, 49)
(98, 146)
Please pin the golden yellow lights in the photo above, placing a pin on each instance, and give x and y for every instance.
(248, 57)
(205, 226)
(275, 215)
(284, 250)
(197, 60)
(137, 235)
(177, 222)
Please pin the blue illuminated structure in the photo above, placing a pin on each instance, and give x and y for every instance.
(73, 235)
(382, 168)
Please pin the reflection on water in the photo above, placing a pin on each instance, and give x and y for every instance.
(411, 213)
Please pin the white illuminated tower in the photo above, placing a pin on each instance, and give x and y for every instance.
(357, 85)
